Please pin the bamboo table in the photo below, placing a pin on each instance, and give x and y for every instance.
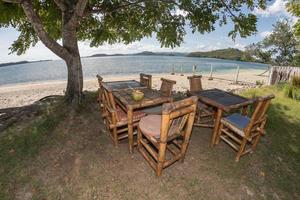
(125, 100)
(122, 85)
(222, 101)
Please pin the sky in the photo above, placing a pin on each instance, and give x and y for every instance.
(192, 42)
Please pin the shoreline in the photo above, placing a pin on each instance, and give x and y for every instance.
(21, 94)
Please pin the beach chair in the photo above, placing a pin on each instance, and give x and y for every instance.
(146, 80)
(116, 118)
(167, 86)
(195, 83)
(163, 139)
(205, 115)
(100, 93)
(166, 89)
(243, 133)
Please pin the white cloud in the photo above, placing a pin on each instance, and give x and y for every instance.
(265, 33)
(239, 46)
(277, 9)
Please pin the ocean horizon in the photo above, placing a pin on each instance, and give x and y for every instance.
(118, 65)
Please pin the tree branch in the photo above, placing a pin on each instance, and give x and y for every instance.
(78, 13)
(36, 22)
(227, 8)
(60, 4)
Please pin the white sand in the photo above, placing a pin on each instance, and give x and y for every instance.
(24, 94)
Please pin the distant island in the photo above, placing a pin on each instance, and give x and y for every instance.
(144, 53)
(228, 54)
(20, 62)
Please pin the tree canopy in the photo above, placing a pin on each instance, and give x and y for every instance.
(280, 47)
(293, 6)
(126, 21)
(282, 43)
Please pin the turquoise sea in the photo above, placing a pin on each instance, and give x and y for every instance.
(117, 65)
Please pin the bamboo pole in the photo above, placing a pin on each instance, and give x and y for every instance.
(237, 74)
(211, 72)
(194, 69)
(181, 71)
(173, 71)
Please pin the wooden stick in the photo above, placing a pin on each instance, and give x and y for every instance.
(237, 74)
(211, 72)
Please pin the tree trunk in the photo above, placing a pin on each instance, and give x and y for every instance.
(75, 79)
(73, 61)
(72, 12)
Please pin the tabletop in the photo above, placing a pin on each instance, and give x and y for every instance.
(121, 85)
(151, 97)
(222, 99)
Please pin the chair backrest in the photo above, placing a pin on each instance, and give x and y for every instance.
(146, 80)
(100, 93)
(110, 107)
(259, 115)
(178, 118)
(166, 86)
(100, 80)
(195, 83)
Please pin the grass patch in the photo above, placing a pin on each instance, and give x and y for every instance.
(279, 150)
(84, 164)
(19, 146)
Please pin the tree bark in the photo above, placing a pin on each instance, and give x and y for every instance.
(69, 51)
(75, 80)
(73, 61)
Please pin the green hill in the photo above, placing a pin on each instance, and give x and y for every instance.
(230, 54)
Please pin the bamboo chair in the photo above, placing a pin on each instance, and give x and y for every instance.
(163, 139)
(166, 90)
(100, 93)
(195, 83)
(146, 80)
(116, 118)
(205, 115)
(243, 133)
(166, 86)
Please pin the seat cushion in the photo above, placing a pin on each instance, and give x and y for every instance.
(150, 125)
(237, 120)
(137, 115)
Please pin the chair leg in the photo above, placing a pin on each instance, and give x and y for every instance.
(183, 150)
(241, 150)
(219, 134)
(115, 136)
(161, 158)
(139, 137)
(256, 142)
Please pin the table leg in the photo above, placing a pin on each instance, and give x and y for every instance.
(130, 129)
(217, 126)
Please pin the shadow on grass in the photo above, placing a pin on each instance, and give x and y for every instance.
(88, 164)
(21, 140)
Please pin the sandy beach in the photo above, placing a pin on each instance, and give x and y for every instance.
(25, 94)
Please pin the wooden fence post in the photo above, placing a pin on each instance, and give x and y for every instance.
(270, 75)
(194, 69)
(211, 71)
(237, 74)
(181, 71)
(173, 71)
